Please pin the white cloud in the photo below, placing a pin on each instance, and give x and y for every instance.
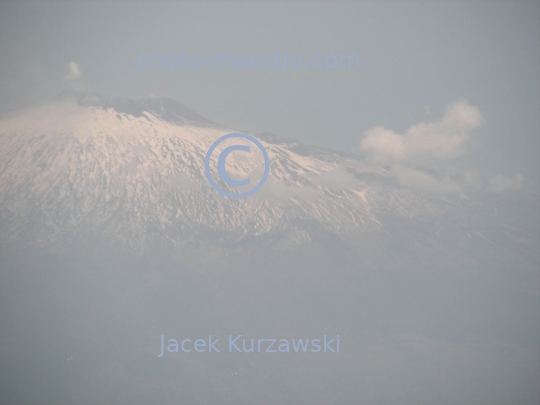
(424, 156)
(337, 179)
(424, 143)
(73, 78)
(74, 71)
(422, 180)
(501, 183)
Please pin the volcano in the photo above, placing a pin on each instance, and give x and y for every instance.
(111, 236)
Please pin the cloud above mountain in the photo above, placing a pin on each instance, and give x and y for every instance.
(501, 183)
(423, 180)
(425, 156)
(73, 78)
(424, 143)
(74, 71)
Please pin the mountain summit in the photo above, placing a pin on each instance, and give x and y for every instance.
(127, 169)
(167, 109)
(111, 238)
(88, 166)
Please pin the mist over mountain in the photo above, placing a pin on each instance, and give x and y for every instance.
(111, 236)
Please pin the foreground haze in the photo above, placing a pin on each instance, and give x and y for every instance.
(111, 236)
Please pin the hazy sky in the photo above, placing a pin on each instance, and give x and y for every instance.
(416, 59)
(436, 299)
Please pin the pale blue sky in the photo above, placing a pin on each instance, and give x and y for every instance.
(415, 58)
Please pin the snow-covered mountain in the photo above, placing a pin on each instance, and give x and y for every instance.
(111, 236)
(86, 166)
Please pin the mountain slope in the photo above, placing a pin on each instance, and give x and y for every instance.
(110, 236)
(93, 167)
(126, 168)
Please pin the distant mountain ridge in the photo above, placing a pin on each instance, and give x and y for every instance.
(88, 167)
(167, 109)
